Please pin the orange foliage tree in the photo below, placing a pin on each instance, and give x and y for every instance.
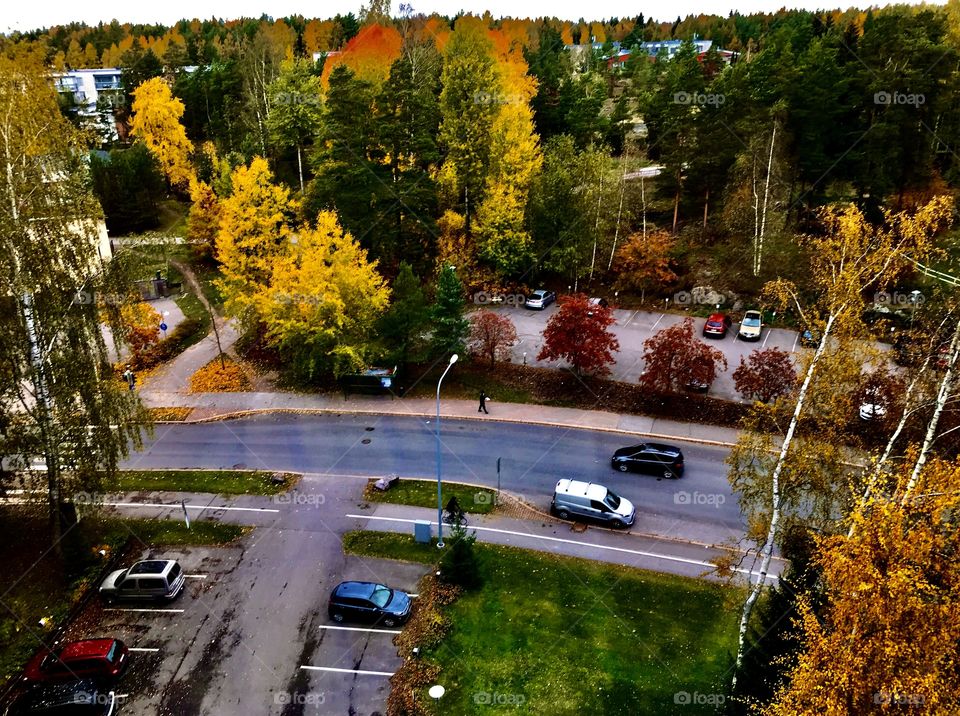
(580, 334)
(369, 55)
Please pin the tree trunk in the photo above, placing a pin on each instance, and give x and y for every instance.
(766, 198)
(767, 550)
(706, 206)
(942, 396)
(300, 167)
(676, 210)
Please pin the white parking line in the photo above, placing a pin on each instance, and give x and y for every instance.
(347, 671)
(376, 631)
(667, 557)
(167, 505)
(795, 339)
(765, 339)
(654, 326)
(142, 648)
(195, 576)
(161, 611)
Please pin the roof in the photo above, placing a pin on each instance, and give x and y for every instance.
(87, 647)
(150, 566)
(356, 589)
(590, 490)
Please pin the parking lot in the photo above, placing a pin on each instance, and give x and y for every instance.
(250, 632)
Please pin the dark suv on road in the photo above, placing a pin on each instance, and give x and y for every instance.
(650, 458)
(369, 602)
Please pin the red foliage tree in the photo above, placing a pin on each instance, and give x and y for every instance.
(491, 335)
(579, 334)
(765, 375)
(675, 358)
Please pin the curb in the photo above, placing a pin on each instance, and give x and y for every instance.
(324, 411)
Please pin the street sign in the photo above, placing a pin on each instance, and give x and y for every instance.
(163, 326)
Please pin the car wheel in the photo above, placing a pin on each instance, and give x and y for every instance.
(389, 622)
(337, 617)
(616, 524)
(622, 467)
(563, 514)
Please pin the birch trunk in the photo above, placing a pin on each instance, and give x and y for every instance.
(767, 550)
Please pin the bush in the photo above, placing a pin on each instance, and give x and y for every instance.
(178, 340)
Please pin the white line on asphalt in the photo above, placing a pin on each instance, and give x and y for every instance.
(141, 648)
(376, 631)
(348, 671)
(162, 611)
(195, 576)
(795, 339)
(765, 339)
(654, 326)
(121, 696)
(413, 596)
(630, 319)
(189, 507)
(670, 558)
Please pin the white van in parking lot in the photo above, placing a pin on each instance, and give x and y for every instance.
(572, 498)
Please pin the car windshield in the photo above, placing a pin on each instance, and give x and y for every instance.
(381, 596)
(611, 500)
(113, 653)
(751, 321)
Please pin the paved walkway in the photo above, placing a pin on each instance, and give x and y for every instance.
(175, 375)
(211, 406)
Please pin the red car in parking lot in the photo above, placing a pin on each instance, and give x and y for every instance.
(716, 325)
(98, 659)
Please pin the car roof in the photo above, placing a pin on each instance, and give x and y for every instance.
(83, 691)
(717, 316)
(357, 589)
(590, 490)
(87, 647)
(151, 566)
(752, 311)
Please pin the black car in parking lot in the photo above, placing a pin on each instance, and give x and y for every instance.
(649, 458)
(369, 602)
(73, 698)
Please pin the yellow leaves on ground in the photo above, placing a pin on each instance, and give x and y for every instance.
(214, 377)
(156, 123)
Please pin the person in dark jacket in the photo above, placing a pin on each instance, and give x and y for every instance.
(483, 403)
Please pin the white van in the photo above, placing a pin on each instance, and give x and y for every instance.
(572, 498)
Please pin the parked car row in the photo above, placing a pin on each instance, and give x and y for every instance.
(76, 677)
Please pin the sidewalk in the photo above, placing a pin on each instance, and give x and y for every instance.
(215, 406)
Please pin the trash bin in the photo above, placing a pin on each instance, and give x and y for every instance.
(422, 531)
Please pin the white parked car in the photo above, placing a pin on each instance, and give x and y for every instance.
(751, 326)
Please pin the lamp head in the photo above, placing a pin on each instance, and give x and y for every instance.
(454, 358)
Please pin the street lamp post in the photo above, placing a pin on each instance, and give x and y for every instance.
(453, 359)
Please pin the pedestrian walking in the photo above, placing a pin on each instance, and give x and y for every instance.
(483, 403)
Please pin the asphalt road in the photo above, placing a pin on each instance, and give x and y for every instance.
(700, 506)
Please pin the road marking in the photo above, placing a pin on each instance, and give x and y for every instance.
(195, 576)
(162, 611)
(765, 339)
(641, 553)
(630, 319)
(189, 507)
(142, 648)
(347, 671)
(795, 339)
(377, 631)
(654, 326)
(413, 596)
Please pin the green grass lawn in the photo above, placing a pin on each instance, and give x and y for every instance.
(557, 635)
(192, 308)
(423, 493)
(223, 482)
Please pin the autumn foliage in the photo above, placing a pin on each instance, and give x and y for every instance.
(886, 639)
(368, 55)
(765, 375)
(216, 378)
(643, 262)
(141, 326)
(156, 123)
(580, 334)
(491, 336)
(674, 358)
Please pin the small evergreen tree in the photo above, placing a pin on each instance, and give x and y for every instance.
(450, 328)
(402, 326)
(460, 564)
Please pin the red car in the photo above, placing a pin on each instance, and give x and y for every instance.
(716, 326)
(98, 659)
